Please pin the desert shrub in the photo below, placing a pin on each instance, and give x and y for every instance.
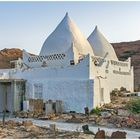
(123, 89)
(114, 92)
(133, 106)
(96, 110)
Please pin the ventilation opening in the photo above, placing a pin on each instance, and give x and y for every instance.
(72, 62)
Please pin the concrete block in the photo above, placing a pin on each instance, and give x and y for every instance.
(59, 106)
(25, 105)
(49, 107)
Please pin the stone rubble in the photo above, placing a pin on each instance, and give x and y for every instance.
(26, 129)
(100, 134)
(112, 115)
(107, 118)
(118, 135)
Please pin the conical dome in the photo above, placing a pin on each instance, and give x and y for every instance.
(101, 46)
(63, 36)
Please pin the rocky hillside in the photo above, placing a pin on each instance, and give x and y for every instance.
(130, 49)
(7, 55)
(123, 50)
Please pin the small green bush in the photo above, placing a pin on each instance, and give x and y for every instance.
(133, 106)
(113, 93)
(123, 89)
(96, 110)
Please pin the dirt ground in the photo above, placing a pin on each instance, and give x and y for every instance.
(27, 130)
(16, 130)
(112, 115)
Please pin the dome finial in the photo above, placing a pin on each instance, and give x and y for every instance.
(96, 27)
(66, 14)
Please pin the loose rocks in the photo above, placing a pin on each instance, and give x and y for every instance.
(27, 123)
(100, 134)
(118, 135)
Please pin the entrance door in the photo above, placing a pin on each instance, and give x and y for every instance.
(19, 95)
(10, 98)
(6, 97)
(1, 98)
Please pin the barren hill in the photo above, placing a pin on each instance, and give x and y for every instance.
(7, 55)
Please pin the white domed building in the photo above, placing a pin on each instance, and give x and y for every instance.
(64, 37)
(101, 46)
(78, 71)
(117, 73)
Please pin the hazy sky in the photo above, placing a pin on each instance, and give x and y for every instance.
(26, 25)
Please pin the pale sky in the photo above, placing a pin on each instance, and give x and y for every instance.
(26, 25)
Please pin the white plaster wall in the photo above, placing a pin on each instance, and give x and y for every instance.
(111, 79)
(75, 94)
(70, 54)
(100, 83)
(29, 89)
(79, 71)
(118, 81)
(70, 83)
(51, 63)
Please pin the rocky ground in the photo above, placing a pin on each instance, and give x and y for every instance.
(26, 129)
(113, 114)
(17, 130)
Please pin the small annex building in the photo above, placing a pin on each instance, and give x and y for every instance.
(78, 71)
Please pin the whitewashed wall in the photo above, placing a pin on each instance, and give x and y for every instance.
(75, 94)
(80, 71)
(98, 85)
(55, 62)
(113, 80)
(74, 83)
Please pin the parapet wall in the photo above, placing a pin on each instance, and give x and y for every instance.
(117, 73)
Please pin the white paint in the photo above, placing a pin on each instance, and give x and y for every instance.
(26, 105)
(63, 36)
(138, 93)
(70, 54)
(49, 107)
(100, 45)
(111, 80)
(79, 71)
(75, 94)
